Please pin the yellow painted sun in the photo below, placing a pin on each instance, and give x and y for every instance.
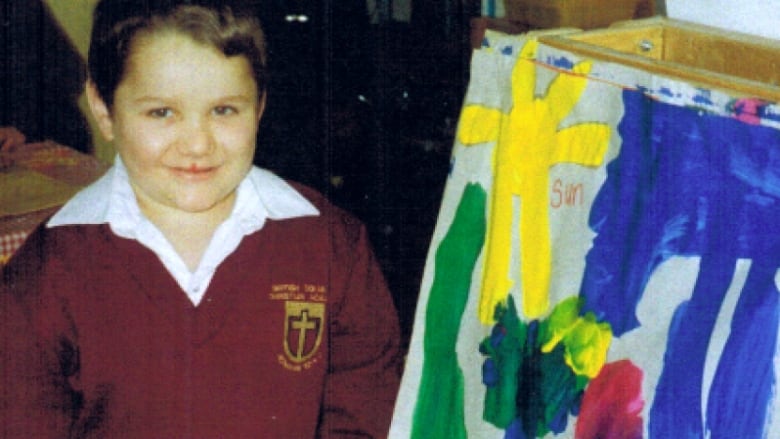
(529, 141)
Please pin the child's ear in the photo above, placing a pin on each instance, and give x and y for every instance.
(100, 111)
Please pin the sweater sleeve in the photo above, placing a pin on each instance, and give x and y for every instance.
(365, 355)
(37, 358)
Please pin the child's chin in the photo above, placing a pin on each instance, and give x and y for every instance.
(204, 203)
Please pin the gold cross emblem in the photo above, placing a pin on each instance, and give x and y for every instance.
(304, 325)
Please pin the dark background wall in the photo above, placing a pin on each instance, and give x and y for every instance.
(366, 113)
(41, 76)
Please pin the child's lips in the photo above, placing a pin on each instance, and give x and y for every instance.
(195, 171)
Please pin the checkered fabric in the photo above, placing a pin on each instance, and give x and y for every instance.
(9, 244)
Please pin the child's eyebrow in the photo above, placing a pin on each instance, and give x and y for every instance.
(151, 99)
(166, 99)
(239, 97)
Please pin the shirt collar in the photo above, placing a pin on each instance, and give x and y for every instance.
(260, 195)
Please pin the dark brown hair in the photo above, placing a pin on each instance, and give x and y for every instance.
(117, 23)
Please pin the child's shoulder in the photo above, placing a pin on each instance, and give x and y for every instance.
(59, 254)
(321, 202)
(335, 219)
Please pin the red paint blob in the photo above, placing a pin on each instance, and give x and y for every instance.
(612, 405)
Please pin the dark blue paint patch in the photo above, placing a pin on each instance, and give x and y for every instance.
(703, 97)
(515, 430)
(560, 62)
(666, 91)
(490, 374)
(769, 113)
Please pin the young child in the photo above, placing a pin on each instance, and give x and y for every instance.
(188, 294)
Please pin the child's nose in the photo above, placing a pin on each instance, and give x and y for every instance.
(197, 139)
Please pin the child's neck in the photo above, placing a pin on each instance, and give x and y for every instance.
(190, 239)
(189, 233)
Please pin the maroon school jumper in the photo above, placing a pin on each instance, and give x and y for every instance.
(296, 337)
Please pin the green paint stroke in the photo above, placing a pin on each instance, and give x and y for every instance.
(504, 348)
(439, 412)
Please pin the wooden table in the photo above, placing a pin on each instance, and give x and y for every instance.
(43, 176)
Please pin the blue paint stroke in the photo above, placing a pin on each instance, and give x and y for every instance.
(693, 184)
(677, 405)
(730, 413)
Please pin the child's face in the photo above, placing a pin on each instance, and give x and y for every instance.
(184, 121)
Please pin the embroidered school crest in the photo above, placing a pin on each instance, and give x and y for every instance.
(304, 323)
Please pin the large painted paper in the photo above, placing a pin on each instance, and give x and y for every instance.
(605, 263)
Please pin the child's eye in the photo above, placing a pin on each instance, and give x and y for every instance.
(160, 113)
(224, 110)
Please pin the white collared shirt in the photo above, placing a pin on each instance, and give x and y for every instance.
(260, 195)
